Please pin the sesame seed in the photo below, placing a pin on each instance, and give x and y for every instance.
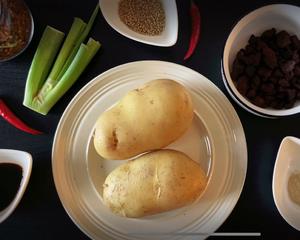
(143, 16)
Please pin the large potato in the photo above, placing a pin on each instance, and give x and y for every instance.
(155, 182)
(147, 118)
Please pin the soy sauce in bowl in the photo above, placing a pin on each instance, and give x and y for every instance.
(10, 179)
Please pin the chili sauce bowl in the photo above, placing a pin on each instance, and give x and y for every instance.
(287, 163)
(24, 161)
(279, 16)
(28, 40)
(110, 11)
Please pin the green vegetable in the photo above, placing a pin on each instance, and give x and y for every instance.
(42, 62)
(8, 45)
(76, 30)
(79, 41)
(49, 97)
(44, 89)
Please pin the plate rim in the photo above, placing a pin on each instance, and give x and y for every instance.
(108, 72)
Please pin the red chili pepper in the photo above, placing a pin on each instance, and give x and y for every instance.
(195, 34)
(10, 117)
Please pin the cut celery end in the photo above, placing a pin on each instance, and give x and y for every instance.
(75, 32)
(43, 103)
(42, 62)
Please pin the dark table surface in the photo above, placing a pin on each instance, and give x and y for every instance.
(40, 214)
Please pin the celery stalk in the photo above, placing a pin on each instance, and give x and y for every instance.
(75, 32)
(42, 62)
(79, 41)
(43, 92)
(44, 102)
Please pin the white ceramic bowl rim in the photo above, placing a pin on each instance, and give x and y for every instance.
(168, 37)
(236, 98)
(284, 207)
(23, 160)
(241, 100)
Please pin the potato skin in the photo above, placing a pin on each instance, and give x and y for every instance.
(156, 182)
(147, 118)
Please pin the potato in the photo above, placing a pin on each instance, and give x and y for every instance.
(147, 118)
(154, 182)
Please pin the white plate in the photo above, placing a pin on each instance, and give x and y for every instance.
(216, 140)
(167, 38)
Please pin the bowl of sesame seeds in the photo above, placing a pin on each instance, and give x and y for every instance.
(153, 22)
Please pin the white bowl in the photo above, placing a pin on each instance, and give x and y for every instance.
(287, 162)
(24, 160)
(167, 38)
(280, 16)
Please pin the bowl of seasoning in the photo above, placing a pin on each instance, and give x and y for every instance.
(15, 170)
(16, 28)
(286, 181)
(153, 22)
(261, 61)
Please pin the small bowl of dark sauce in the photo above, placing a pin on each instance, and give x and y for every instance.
(15, 170)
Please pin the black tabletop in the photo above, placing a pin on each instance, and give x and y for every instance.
(40, 214)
